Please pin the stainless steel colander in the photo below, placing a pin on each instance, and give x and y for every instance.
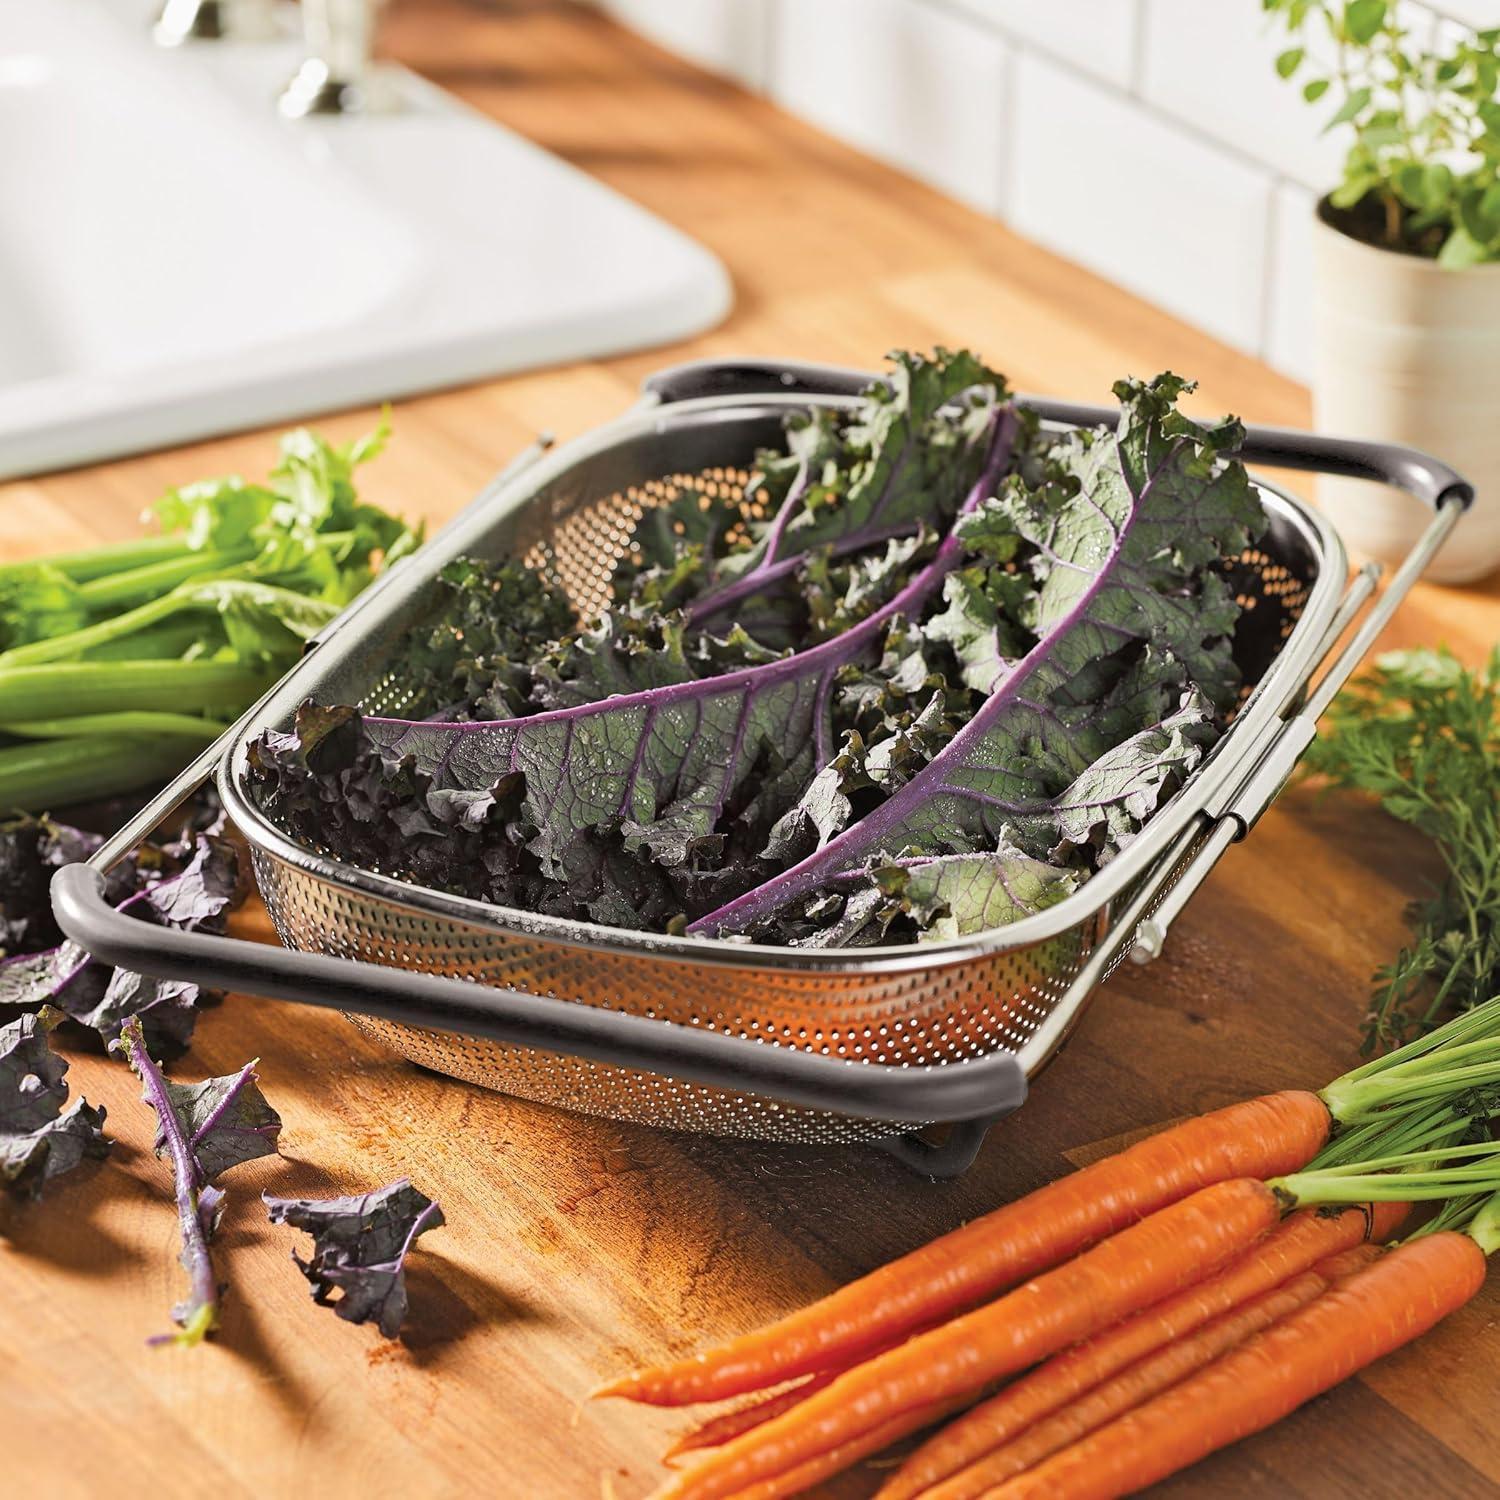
(722, 1037)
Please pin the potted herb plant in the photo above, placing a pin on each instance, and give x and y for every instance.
(1407, 260)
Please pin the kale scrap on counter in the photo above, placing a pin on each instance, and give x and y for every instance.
(39, 1139)
(202, 1129)
(360, 1245)
(945, 668)
(190, 881)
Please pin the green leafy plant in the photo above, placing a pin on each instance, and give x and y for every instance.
(118, 662)
(1422, 733)
(1423, 173)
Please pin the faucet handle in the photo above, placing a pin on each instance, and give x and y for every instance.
(334, 78)
(181, 21)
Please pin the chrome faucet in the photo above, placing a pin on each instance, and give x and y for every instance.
(334, 79)
(181, 21)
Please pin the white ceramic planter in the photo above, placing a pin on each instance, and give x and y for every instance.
(1410, 353)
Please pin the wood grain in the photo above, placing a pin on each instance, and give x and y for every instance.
(574, 1246)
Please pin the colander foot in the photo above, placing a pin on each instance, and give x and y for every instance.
(951, 1157)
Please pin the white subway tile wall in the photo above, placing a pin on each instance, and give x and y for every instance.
(907, 82)
(1213, 68)
(1289, 282)
(1099, 36)
(725, 36)
(1201, 166)
(1129, 195)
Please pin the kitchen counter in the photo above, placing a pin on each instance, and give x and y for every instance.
(576, 1246)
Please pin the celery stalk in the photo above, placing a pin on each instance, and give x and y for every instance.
(182, 726)
(164, 642)
(66, 689)
(88, 563)
(59, 648)
(52, 773)
(136, 585)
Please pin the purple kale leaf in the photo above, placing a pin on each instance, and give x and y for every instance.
(334, 786)
(200, 895)
(940, 895)
(663, 766)
(844, 487)
(360, 1245)
(950, 650)
(32, 850)
(1129, 619)
(189, 884)
(203, 1129)
(39, 1139)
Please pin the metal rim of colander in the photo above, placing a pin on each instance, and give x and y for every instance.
(1226, 764)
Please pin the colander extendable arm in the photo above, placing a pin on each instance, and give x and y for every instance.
(976, 1089)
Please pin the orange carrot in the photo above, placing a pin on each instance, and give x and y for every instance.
(1261, 1137)
(720, 1429)
(1147, 1377)
(1375, 1311)
(825, 1465)
(731, 1424)
(1299, 1242)
(1131, 1270)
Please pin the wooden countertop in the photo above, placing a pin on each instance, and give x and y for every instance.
(575, 1246)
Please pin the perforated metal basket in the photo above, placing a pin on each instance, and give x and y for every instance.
(721, 1037)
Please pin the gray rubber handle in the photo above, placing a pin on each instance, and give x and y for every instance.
(1419, 474)
(975, 1089)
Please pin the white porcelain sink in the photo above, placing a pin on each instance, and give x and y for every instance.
(177, 260)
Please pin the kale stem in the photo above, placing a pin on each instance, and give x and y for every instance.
(199, 1315)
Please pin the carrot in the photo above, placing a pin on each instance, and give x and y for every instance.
(825, 1465)
(1146, 1377)
(1299, 1242)
(731, 1424)
(1131, 1270)
(720, 1429)
(1262, 1137)
(1381, 1308)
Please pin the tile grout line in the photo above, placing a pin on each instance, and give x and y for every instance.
(1137, 88)
(1006, 187)
(769, 28)
(1117, 91)
(1269, 271)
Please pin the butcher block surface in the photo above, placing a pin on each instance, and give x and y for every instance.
(573, 1246)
